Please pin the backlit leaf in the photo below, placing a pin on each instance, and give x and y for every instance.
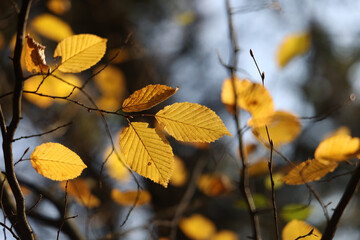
(51, 27)
(80, 190)
(197, 227)
(147, 153)
(308, 171)
(338, 148)
(35, 56)
(295, 211)
(293, 45)
(225, 235)
(191, 122)
(296, 229)
(115, 165)
(80, 52)
(57, 162)
(283, 128)
(128, 198)
(147, 97)
(180, 174)
(251, 97)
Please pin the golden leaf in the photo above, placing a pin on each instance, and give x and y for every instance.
(197, 227)
(51, 27)
(293, 45)
(296, 229)
(59, 6)
(116, 166)
(191, 122)
(51, 86)
(251, 97)
(35, 56)
(80, 190)
(128, 198)
(225, 235)
(338, 148)
(147, 97)
(57, 162)
(214, 184)
(308, 171)
(80, 52)
(147, 153)
(180, 174)
(283, 128)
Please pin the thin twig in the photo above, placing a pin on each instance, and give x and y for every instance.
(64, 214)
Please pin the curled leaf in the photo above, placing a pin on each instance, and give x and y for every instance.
(35, 56)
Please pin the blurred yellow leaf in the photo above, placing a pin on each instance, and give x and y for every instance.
(51, 27)
(59, 6)
(35, 56)
(283, 128)
(299, 229)
(197, 227)
(251, 97)
(308, 171)
(338, 148)
(293, 45)
(225, 235)
(258, 168)
(80, 52)
(185, 18)
(147, 152)
(115, 166)
(51, 86)
(277, 181)
(214, 184)
(191, 122)
(80, 190)
(147, 97)
(180, 174)
(57, 162)
(128, 198)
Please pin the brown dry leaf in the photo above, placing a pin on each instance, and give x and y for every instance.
(300, 230)
(180, 174)
(338, 148)
(147, 97)
(128, 198)
(197, 227)
(308, 171)
(214, 184)
(80, 190)
(35, 56)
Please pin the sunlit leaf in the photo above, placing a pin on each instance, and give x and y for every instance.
(35, 56)
(197, 227)
(308, 171)
(128, 198)
(115, 165)
(251, 97)
(51, 86)
(225, 235)
(259, 168)
(295, 211)
(283, 128)
(147, 153)
(214, 184)
(338, 148)
(59, 6)
(277, 182)
(80, 52)
(57, 162)
(296, 229)
(293, 45)
(80, 190)
(191, 122)
(147, 97)
(180, 174)
(51, 27)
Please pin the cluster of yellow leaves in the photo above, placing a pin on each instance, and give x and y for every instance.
(146, 150)
(328, 154)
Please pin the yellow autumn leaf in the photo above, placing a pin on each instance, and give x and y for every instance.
(191, 122)
(225, 235)
(297, 229)
(259, 168)
(197, 227)
(308, 171)
(338, 148)
(283, 128)
(80, 190)
(51, 86)
(57, 162)
(147, 97)
(147, 152)
(128, 198)
(59, 6)
(214, 184)
(251, 97)
(180, 174)
(293, 45)
(80, 52)
(115, 166)
(51, 27)
(35, 56)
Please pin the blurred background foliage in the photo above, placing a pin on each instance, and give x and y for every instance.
(179, 43)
